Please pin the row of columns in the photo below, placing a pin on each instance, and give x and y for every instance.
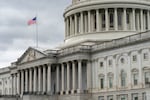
(67, 78)
(79, 24)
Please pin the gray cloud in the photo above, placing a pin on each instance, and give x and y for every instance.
(16, 36)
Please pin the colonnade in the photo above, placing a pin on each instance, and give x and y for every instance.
(108, 19)
(65, 78)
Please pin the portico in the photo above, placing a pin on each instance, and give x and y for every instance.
(62, 78)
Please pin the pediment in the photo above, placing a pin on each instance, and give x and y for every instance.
(31, 54)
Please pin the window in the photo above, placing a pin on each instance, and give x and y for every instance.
(110, 98)
(123, 98)
(123, 79)
(135, 79)
(145, 56)
(101, 64)
(135, 98)
(102, 83)
(147, 78)
(134, 58)
(143, 96)
(122, 60)
(101, 98)
(110, 62)
(110, 80)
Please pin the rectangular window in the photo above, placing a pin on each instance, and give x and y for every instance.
(147, 78)
(110, 98)
(101, 98)
(102, 83)
(123, 98)
(135, 98)
(110, 82)
(110, 62)
(101, 64)
(143, 96)
(135, 79)
(145, 56)
(134, 58)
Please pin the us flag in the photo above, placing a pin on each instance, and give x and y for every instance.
(32, 21)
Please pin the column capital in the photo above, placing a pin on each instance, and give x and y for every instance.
(49, 64)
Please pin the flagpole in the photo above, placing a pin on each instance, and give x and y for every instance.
(36, 33)
(37, 44)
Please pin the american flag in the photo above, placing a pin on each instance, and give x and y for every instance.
(32, 21)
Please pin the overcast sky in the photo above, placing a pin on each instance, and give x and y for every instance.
(16, 36)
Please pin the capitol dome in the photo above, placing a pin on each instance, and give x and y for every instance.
(105, 20)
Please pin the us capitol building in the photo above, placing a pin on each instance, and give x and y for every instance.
(105, 56)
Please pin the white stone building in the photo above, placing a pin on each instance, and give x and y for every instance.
(106, 56)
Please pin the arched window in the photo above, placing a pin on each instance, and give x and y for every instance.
(123, 79)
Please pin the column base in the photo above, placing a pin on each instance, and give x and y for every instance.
(72, 91)
(62, 93)
(49, 93)
(79, 91)
(67, 92)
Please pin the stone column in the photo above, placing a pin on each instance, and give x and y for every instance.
(49, 78)
(68, 78)
(39, 79)
(133, 19)
(97, 21)
(116, 19)
(26, 80)
(57, 78)
(22, 81)
(62, 78)
(30, 79)
(75, 23)
(18, 83)
(125, 19)
(44, 78)
(142, 23)
(89, 21)
(138, 21)
(148, 19)
(13, 84)
(70, 18)
(85, 23)
(79, 76)
(82, 27)
(35, 80)
(73, 77)
(68, 32)
(89, 75)
(106, 20)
